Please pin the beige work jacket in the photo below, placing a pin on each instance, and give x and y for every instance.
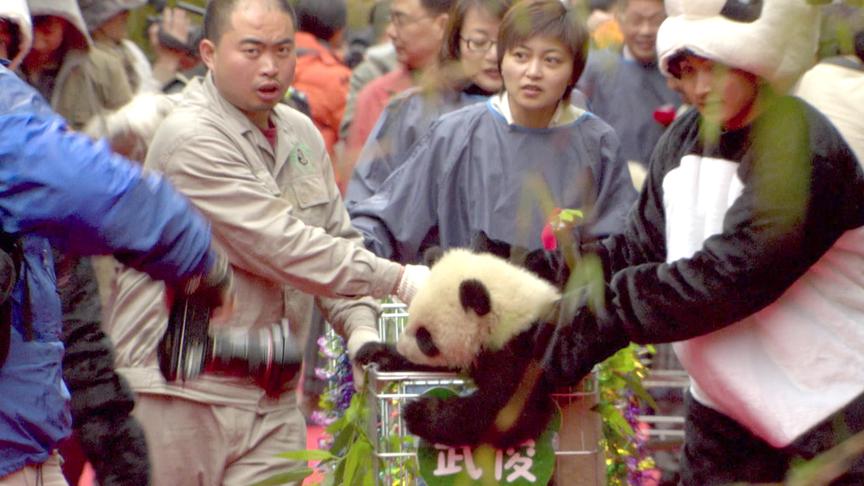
(89, 85)
(274, 215)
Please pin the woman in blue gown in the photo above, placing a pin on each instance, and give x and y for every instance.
(466, 73)
(498, 166)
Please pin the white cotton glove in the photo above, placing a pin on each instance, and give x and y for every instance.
(356, 340)
(413, 278)
(138, 119)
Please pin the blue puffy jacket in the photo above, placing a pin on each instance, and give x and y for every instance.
(62, 187)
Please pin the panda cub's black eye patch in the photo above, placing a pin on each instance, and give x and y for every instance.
(425, 343)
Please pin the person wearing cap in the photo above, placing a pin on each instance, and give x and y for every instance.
(60, 187)
(81, 83)
(745, 250)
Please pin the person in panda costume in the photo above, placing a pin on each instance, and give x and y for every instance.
(745, 250)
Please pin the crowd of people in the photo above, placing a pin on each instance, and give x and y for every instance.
(258, 159)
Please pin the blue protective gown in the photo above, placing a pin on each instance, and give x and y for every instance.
(625, 93)
(62, 187)
(405, 119)
(475, 172)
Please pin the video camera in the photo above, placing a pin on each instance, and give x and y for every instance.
(188, 348)
(190, 47)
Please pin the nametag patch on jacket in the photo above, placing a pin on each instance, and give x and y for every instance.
(299, 157)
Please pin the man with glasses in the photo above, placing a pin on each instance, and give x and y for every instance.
(417, 31)
(625, 88)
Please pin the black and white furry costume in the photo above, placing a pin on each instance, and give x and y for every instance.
(102, 402)
(745, 250)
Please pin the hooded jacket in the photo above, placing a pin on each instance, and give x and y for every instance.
(16, 12)
(88, 81)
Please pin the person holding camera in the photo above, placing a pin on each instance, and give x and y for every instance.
(107, 23)
(260, 172)
(60, 187)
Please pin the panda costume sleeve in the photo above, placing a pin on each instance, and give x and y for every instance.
(747, 252)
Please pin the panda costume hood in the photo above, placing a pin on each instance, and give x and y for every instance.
(774, 39)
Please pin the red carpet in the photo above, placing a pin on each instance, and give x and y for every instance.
(313, 433)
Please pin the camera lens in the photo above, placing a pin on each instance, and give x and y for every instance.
(183, 349)
(268, 355)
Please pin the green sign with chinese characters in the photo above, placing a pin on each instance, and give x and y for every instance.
(528, 465)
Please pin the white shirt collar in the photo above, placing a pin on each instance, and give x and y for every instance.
(565, 112)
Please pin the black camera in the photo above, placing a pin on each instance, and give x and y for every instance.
(188, 348)
(190, 46)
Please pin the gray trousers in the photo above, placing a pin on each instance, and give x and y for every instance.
(198, 444)
(48, 473)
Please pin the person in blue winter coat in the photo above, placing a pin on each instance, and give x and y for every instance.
(493, 166)
(61, 188)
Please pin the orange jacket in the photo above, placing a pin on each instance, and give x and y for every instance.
(323, 78)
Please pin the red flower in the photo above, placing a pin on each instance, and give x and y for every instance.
(665, 115)
(547, 237)
(550, 242)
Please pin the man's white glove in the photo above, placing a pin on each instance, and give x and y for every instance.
(413, 278)
(135, 122)
(356, 340)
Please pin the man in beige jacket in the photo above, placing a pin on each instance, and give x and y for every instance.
(259, 171)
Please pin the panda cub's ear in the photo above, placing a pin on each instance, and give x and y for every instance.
(474, 295)
(432, 254)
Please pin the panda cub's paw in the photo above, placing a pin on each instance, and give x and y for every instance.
(422, 416)
(384, 355)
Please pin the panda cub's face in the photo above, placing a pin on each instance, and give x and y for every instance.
(471, 302)
(450, 331)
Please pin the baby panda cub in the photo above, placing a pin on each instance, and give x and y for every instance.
(479, 314)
